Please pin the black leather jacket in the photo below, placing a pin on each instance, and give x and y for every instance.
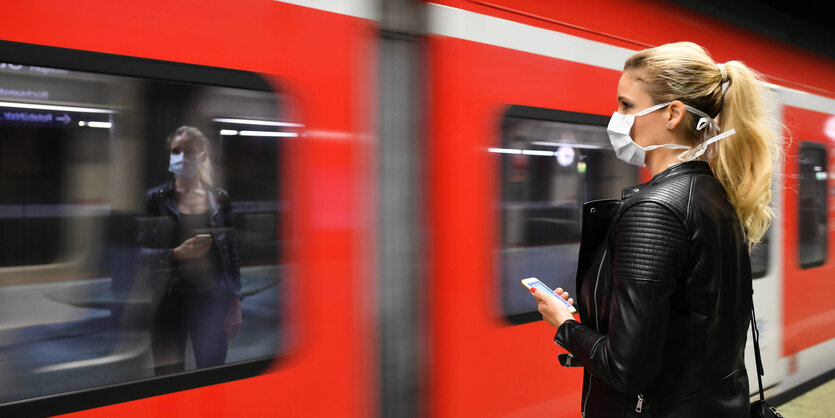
(664, 285)
(157, 236)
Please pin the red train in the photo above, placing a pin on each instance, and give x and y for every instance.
(395, 169)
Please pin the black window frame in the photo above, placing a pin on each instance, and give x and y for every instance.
(763, 249)
(804, 145)
(149, 69)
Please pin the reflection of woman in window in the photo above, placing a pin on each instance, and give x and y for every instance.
(666, 292)
(187, 246)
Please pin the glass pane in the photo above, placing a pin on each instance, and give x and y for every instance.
(759, 257)
(548, 170)
(812, 205)
(78, 151)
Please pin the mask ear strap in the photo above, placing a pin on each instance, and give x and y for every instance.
(652, 109)
(703, 147)
(673, 146)
(705, 121)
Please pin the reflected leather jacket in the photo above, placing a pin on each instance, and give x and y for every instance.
(664, 285)
(157, 236)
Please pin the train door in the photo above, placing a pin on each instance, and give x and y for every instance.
(808, 321)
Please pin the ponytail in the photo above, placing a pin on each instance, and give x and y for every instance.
(744, 162)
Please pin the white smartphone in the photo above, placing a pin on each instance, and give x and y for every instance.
(200, 238)
(533, 282)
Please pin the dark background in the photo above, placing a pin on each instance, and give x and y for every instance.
(807, 24)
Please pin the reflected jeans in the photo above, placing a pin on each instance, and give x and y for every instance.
(184, 313)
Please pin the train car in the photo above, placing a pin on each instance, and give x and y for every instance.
(521, 95)
(394, 169)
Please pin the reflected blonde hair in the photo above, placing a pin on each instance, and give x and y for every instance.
(743, 162)
(195, 134)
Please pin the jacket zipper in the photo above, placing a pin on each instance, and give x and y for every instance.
(594, 295)
(215, 244)
(596, 323)
(639, 407)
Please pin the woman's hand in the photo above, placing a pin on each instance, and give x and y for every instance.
(191, 248)
(553, 311)
(233, 319)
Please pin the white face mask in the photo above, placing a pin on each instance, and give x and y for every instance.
(628, 151)
(183, 166)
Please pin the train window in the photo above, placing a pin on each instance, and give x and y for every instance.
(97, 284)
(812, 205)
(551, 163)
(760, 258)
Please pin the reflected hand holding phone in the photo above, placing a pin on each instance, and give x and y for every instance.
(200, 239)
(193, 247)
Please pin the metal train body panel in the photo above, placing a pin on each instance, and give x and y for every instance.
(483, 59)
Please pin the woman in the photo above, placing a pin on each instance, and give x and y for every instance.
(665, 282)
(187, 244)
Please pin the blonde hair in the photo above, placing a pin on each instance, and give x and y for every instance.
(196, 135)
(743, 162)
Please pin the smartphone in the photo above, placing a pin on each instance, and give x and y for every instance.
(534, 283)
(200, 238)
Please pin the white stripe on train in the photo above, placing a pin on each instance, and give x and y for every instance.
(463, 24)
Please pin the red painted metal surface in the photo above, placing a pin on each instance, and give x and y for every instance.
(321, 59)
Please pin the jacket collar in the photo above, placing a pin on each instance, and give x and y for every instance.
(170, 201)
(689, 167)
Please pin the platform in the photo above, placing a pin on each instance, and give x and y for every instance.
(816, 403)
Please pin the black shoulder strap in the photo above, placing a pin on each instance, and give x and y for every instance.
(756, 334)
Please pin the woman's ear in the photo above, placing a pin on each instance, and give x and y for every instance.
(675, 114)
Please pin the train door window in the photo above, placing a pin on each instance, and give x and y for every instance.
(760, 255)
(551, 163)
(760, 258)
(93, 288)
(812, 205)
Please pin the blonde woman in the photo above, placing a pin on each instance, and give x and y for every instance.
(188, 248)
(665, 282)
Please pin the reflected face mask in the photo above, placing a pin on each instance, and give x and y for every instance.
(183, 166)
(628, 151)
